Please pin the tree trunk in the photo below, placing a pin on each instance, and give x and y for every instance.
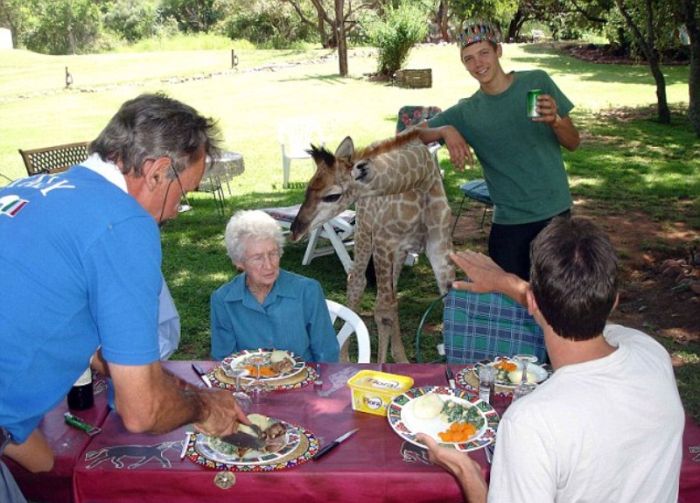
(648, 48)
(688, 9)
(662, 103)
(342, 41)
(515, 25)
(442, 21)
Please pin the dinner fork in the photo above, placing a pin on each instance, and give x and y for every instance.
(488, 450)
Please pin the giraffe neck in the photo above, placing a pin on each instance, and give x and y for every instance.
(394, 166)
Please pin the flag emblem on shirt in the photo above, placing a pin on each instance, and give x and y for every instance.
(11, 205)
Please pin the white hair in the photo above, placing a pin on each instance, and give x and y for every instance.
(246, 225)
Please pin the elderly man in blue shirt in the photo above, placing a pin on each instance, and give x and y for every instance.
(265, 306)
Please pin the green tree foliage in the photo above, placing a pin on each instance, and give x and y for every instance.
(61, 26)
(132, 20)
(395, 34)
(267, 24)
(193, 15)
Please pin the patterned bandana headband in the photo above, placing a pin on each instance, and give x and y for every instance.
(478, 31)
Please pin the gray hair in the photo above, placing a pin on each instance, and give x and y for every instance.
(250, 224)
(152, 126)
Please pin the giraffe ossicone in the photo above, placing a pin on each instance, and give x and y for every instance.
(400, 206)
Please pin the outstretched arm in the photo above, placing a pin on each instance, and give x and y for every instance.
(486, 276)
(465, 470)
(150, 399)
(563, 127)
(456, 144)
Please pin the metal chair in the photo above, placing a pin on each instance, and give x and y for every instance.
(352, 324)
(478, 191)
(295, 137)
(54, 159)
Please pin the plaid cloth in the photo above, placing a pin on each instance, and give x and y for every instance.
(477, 326)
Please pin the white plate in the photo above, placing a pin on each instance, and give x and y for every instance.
(211, 448)
(540, 373)
(406, 425)
(241, 359)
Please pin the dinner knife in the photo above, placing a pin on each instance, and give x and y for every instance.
(335, 443)
(450, 377)
(202, 375)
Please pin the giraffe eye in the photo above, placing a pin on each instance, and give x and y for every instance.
(331, 198)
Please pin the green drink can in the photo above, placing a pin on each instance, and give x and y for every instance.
(532, 95)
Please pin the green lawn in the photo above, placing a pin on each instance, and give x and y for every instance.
(626, 162)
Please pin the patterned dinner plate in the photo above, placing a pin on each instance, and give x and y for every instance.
(469, 377)
(404, 422)
(211, 452)
(246, 358)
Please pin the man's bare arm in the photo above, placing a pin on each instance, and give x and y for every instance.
(563, 127)
(456, 144)
(150, 399)
(34, 454)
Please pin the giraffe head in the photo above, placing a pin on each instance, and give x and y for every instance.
(330, 191)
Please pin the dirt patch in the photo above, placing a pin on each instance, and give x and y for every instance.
(660, 289)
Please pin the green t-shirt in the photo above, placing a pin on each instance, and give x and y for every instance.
(521, 159)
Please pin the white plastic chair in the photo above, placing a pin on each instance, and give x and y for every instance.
(295, 137)
(353, 323)
(338, 231)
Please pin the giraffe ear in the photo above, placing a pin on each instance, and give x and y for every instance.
(346, 149)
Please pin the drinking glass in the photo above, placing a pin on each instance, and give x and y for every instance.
(524, 359)
(243, 399)
(257, 388)
(487, 382)
(523, 389)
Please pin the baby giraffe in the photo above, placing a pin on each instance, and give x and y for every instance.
(401, 207)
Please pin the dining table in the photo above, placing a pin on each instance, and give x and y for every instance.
(375, 464)
(67, 443)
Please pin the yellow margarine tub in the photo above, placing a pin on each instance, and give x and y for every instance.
(373, 391)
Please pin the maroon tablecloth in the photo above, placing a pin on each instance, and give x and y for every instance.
(374, 465)
(68, 444)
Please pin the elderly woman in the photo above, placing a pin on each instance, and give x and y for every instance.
(265, 306)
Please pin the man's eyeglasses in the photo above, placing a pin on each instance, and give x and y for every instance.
(258, 260)
(182, 207)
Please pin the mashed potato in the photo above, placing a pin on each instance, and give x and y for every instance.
(427, 406)
(516, 376)
(278, 356)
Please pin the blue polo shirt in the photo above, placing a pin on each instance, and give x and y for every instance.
(79, 268)
(293, 317)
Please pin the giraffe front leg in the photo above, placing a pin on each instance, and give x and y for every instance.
(357, 281)
(386, 311)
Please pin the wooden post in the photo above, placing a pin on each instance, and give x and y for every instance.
(234, 59)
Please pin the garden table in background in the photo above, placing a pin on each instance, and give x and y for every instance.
(225, 167)
(68, 445)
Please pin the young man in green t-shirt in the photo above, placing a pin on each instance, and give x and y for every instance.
(520, 156)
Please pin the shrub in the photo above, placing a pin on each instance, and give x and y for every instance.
(132, 20)
(267, 25)
(395, 35)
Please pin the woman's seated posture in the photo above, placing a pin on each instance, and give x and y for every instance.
(266, 307)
